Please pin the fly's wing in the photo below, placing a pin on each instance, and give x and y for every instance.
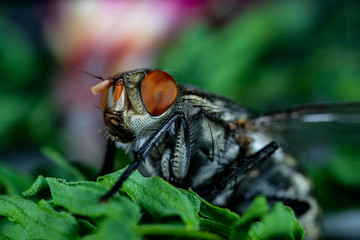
(316, 133)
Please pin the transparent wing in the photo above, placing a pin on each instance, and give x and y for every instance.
(316, 133)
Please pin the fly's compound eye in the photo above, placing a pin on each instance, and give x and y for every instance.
(158, 92)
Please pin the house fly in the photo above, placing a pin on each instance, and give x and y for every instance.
(226, 153)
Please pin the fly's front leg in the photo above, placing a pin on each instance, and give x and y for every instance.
(108, 163)
(175, 160)
(143, 151)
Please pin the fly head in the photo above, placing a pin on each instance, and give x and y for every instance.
(135, 100)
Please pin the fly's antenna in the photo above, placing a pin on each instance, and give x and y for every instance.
(90, 74)
(100, 87)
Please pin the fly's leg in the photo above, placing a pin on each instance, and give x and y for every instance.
(175, 158)
(108, 164)
(143, 151)
(246, 165)
(132, 167)
(180, 157)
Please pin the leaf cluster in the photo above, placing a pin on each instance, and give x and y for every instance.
(146, 208)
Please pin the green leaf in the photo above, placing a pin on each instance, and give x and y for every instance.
(259, 222)
(157, 196)
(39, 188)
(175, 231)
(9, 231)
(82, 198)
(114, 229)
(40, 220)
(57, 158)
(280, 223)
(85, 227)
(214, 226)
(221, 215)
(12, 182)
(257, 209)
(193, 197)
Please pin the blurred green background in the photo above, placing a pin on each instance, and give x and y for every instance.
(265, 55)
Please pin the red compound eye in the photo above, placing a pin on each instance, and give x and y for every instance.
(158, 92)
